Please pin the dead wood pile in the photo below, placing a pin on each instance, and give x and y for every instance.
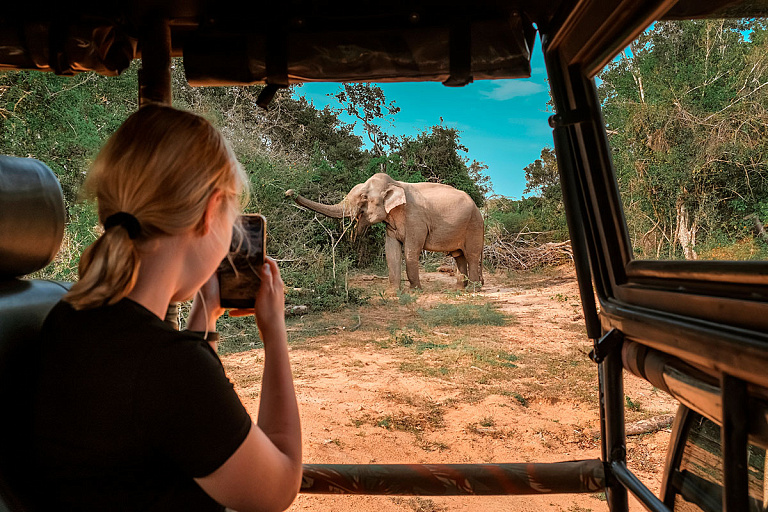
(524, 250)
(661, 422)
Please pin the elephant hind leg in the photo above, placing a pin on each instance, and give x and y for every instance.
(476, 271)
(461, 265)
(475, 264)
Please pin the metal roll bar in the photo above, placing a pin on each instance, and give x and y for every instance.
(583, 476)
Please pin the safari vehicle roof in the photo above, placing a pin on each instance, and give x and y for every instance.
(232, 42)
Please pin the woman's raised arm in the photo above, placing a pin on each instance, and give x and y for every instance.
(264, 473)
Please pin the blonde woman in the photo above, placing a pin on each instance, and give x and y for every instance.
(131, 414)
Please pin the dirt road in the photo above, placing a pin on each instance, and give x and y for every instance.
(397, 381)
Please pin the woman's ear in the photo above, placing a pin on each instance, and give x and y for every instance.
(212, 208)
(394, 196)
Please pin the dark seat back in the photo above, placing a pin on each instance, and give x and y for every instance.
(31, 229)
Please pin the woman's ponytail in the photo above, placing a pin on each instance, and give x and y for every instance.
(108, 270)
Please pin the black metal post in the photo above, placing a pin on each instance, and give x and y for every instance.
(610, 368)
(155, 72)
(733, 438)
(573, 203)
(631, 482)
(611, 381)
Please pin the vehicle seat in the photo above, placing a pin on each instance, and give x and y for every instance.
(32, 218)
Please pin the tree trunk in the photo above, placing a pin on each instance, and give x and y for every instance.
(635, 75)
(686, 231)
(644, 426)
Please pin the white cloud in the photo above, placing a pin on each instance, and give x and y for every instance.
(512, 89)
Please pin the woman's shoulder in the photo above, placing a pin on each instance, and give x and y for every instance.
(125, 309)
(123, 323)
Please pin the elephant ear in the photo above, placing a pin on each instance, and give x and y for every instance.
(393, 197)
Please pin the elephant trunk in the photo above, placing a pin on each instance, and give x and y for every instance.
(335, 211)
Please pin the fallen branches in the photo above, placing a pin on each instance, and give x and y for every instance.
(524, 251)
(644, 426)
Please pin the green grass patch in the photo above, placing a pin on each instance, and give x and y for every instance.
(494, 358)
(238, 334)
(632, 405)
(517, 396)
(404, 339)
(463, 314)
(429, 345)
(487, 421)
(405, 298)
(413, 423)
(521, 399)
(426, 369)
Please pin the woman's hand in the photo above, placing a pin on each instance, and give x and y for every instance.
(270, 300)
(269, 309)
(205, 307)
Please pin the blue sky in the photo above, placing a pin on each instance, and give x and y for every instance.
(503, 123)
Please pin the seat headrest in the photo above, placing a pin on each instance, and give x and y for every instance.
(32, 216)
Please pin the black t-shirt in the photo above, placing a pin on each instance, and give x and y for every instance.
(127, 411)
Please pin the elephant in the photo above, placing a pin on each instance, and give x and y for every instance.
(418, 216)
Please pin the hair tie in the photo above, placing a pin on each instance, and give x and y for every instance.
(125, 219)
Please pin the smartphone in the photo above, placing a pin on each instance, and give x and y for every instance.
(238, 273)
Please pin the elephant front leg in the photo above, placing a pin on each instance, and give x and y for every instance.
(412, 254)
(393, 250)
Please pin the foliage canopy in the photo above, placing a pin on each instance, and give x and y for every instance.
(685, 109)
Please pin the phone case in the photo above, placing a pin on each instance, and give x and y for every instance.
(238, 273)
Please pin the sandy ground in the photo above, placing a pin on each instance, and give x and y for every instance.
(378, 384)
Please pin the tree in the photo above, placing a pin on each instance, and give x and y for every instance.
(542, 176)
(291, 129)
(62, 121)
(543, 211)
(685, 109)
(435, 155)
(367, 103)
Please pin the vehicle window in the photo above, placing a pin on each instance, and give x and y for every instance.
(685, 112)
(699, 479)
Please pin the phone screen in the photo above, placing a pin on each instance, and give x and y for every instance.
(238, 273)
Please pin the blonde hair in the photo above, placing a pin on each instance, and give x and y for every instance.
(161, 166)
